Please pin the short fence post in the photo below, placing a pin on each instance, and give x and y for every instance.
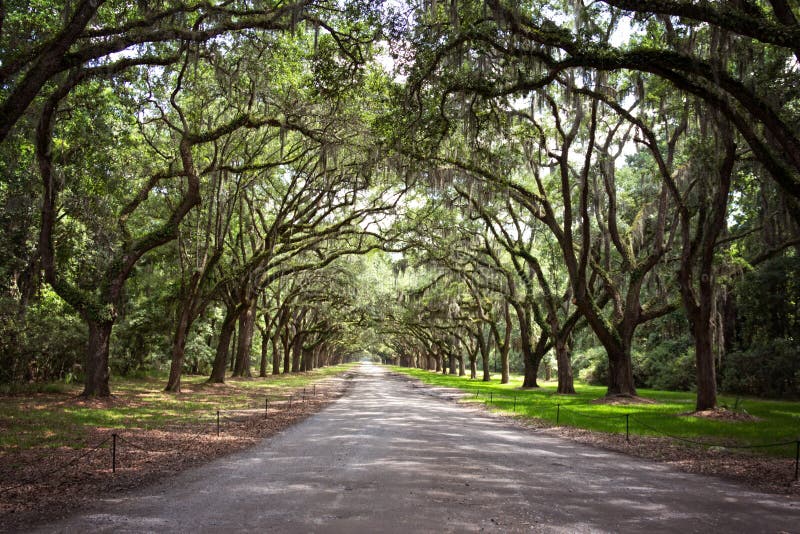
(217, 423)
(266, 406)
(113, 453)
(515, 403)
(797, 460)
(491, 398)
(627, 427)
(558, 413)
(315, 390)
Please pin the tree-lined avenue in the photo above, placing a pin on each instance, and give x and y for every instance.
(392, 457)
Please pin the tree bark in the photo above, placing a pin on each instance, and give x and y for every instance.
(566, 384)
(706, 372)
(223, 346)
(276, 354)
(297, 347)
(620, 371)
(287, 353)
(247, 323)
(505, 347)
(262, 372)
(529, 368)
(484, 348)
(179, 350)
(539, 352)
(96, 377)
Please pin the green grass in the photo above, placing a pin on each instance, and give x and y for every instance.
(777, 421)
(53, 416)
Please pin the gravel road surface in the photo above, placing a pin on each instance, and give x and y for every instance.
(392, 457)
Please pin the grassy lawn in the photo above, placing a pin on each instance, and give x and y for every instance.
(57, 417)
(776, 421)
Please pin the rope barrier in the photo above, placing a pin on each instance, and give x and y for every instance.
(588, 416)
(711, 444)
(41, 475)
(636, 416)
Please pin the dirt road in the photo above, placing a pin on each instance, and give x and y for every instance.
(390, 457)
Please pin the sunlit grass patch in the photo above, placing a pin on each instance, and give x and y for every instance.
(669, 414)
(62, 419)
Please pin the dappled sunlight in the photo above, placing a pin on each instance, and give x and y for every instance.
(391, 457)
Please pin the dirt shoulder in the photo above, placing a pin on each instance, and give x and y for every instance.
(38, 485)
(764, 473)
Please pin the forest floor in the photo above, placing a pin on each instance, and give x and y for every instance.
(690, 452)
(56, 453)
(393, 455)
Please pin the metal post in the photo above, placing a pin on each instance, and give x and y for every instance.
(558, 413)
(515, 403)
(217, 423)
(797, 460)
(113, 453)
(627, 427)
(491, 399)
(266, 406)
(315, 390)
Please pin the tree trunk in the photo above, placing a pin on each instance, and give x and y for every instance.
(223, 347)
(297, 347)
(505, 345)
(262, 372)
(530, 366)
(487, 372)
(287, 353)
(317, 358)
(247, 323)
(96, 377)
(179, 349)
(452, 364)
(461, 371)
(276, 355)
(706, 372)
(539, 352)
(504, 370)
(565, 379)
(232, 348)
(620, 371)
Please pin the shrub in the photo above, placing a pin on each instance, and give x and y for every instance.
(42, 342)
(670, 365)
(591, 366)
(770, 370)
